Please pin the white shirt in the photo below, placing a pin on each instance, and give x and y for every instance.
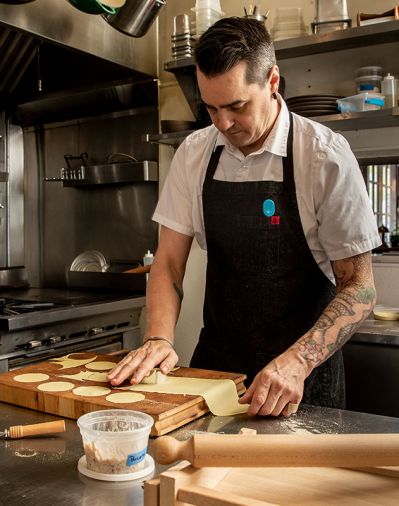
(334, 207)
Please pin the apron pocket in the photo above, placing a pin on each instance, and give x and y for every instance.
(257, 244)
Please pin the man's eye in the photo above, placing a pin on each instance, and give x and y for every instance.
(237, 108)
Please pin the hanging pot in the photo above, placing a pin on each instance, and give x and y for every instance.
(15, 2)
(135, 17)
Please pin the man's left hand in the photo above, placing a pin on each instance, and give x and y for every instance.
(277, 386)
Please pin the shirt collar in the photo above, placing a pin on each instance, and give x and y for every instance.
(276, 141)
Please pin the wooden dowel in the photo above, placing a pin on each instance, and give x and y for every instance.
(18, 431)
(277, 450)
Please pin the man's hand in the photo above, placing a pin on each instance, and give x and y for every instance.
(138, 363)
(276, 386)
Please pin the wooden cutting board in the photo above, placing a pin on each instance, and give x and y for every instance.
(316, 486)
(169, 411)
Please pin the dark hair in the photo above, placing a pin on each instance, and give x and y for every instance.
(232, 40)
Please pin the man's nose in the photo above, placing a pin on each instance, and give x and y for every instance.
(225, 120)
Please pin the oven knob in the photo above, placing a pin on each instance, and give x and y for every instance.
(33, 344)
(53, 339)
(95, 330)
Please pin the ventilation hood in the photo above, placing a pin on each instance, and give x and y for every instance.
(50, 50)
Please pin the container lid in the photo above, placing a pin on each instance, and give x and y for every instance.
(370, 70)
(148, 468)
(362, 79)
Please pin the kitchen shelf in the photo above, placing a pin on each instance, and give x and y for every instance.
(338, 122)
(173, 139)
(359, 36)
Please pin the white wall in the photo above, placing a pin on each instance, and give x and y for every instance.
(174, 106)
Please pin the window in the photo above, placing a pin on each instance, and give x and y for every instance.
(382, 186)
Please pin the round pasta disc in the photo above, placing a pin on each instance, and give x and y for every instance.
(125, 397)
(93, 391)
(101, 366)
(31, 377)
(55, 386)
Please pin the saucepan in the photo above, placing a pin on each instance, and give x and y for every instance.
(135, 17)
(15, 2)
(98, 6)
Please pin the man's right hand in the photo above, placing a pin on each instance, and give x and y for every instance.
(138, 363)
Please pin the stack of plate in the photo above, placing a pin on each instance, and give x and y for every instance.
(90, 261)
(313, 105)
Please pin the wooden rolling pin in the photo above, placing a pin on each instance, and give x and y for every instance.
(19, 431)
(276, 450)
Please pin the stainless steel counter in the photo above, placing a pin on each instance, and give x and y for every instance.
(43, 471)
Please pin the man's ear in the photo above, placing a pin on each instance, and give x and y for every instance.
(274, 79)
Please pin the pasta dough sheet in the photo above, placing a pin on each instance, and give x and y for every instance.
(220, 395)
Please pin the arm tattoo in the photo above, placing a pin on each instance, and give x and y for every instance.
(179, 292)
(350, 307)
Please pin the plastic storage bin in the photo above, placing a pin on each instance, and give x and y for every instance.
(361, 102)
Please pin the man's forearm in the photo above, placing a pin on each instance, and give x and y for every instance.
(352, 304)
(164, 297)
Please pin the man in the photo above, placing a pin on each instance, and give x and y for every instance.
(280, 205)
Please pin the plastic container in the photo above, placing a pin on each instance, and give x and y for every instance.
(371, 83)
(208, 4)
(148, 258)
(388, 88)
(204, 18)
(115, 440)
(361, 102)
(372, 70)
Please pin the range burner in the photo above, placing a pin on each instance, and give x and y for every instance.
(10, 307)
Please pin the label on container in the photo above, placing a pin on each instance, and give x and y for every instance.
(136, 458)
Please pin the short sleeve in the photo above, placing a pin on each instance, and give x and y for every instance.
(174, 208)
(346, 222)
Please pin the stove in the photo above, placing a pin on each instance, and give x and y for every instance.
(38, 324)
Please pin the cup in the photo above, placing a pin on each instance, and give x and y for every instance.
(208, 4)
(115, 440)
(92, 7)
(181, 24)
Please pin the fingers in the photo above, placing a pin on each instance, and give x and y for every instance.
(138, 363)
(270, 394)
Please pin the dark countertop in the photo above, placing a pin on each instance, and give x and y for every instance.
(378, 332)
(43, 471)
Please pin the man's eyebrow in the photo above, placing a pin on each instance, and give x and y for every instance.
(224, 106)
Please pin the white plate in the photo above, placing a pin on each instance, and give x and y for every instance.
(147, 469)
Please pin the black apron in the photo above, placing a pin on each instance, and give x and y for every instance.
(264, 288)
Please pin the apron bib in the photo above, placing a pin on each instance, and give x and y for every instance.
(264, 288)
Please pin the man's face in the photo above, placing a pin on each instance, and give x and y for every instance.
(243, 112)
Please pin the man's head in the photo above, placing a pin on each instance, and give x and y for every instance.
(233, 40)
(238, 80)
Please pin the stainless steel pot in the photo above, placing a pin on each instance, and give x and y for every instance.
(135, 17)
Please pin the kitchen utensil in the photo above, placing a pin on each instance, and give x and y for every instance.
(276, 450)
(15, 2)
(90, 261)
(135, 17)
(92, 6)
(13, 277)
(20, 431)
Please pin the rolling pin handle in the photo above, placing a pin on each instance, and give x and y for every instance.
(167, 450)
(19, 431)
